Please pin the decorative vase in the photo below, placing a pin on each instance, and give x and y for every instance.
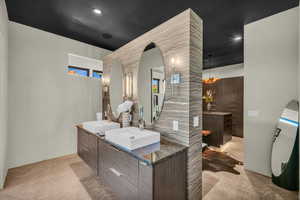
(208, 106)
(126, 119)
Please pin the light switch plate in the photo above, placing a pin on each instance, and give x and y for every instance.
(196, 121)
(175, 125)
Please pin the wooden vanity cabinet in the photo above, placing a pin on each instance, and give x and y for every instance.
(87, 148)
(132, 179)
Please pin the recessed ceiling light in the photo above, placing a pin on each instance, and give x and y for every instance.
(237, 38)
(97, 11)
(106, 36)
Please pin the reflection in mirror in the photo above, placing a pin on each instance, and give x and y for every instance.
(116, 87)
(151, 84)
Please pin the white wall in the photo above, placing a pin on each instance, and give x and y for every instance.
(3, 90)
(224, 72)
(45, 102)
(270, 67)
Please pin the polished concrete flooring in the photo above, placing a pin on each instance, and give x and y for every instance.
(66, 178)
(224, 177)
(69, 178)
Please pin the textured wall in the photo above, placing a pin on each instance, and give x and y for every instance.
(179, 38)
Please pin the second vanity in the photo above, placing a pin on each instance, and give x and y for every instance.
(155, 172)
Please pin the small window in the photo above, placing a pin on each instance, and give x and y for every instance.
(78, 71)
(97, 74)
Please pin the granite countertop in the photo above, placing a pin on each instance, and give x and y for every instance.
(216, 113)
(151, 154)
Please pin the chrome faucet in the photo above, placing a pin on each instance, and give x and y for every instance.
(141, 124)
(141, 120)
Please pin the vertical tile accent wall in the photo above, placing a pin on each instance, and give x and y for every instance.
(179, 38)
(195, 108)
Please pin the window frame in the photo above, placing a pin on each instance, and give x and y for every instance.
(97, 71)
(80, 68)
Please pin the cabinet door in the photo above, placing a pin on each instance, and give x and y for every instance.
(214, 124)
(82, 145)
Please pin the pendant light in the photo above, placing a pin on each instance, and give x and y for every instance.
(210, 79)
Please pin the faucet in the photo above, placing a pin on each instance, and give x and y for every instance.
(141, 119)
(141, 124)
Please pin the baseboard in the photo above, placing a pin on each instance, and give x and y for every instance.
(43, 160)
(2, 181)
(37, 160)
(259, 173)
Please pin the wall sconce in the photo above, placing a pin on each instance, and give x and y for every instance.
(175, 76)
(105, 82)
(128, 85)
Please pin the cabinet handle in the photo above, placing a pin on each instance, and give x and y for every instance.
(115, 172)
(113, 148)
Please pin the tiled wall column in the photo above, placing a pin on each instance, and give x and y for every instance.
(179, 38)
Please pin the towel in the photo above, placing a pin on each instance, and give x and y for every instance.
(124, 107)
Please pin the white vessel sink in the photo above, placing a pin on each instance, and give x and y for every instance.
(132, 138)
(100, 127)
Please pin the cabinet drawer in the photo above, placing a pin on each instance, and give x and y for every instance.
(83, 153)
(88, 149)
(83, 138)
(92, 141)
(123, 189)
(122, 162)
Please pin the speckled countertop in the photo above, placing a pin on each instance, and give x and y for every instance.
(151, 154)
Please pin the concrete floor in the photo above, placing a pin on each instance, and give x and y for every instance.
(69, 178)
(66, 178)
(238, 183)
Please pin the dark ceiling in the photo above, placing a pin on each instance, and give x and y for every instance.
(123, 20)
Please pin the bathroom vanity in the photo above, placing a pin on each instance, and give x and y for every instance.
(154, 172)
(147, 72)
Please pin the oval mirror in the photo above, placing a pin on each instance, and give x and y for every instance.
(116, 87)
(151, 84)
